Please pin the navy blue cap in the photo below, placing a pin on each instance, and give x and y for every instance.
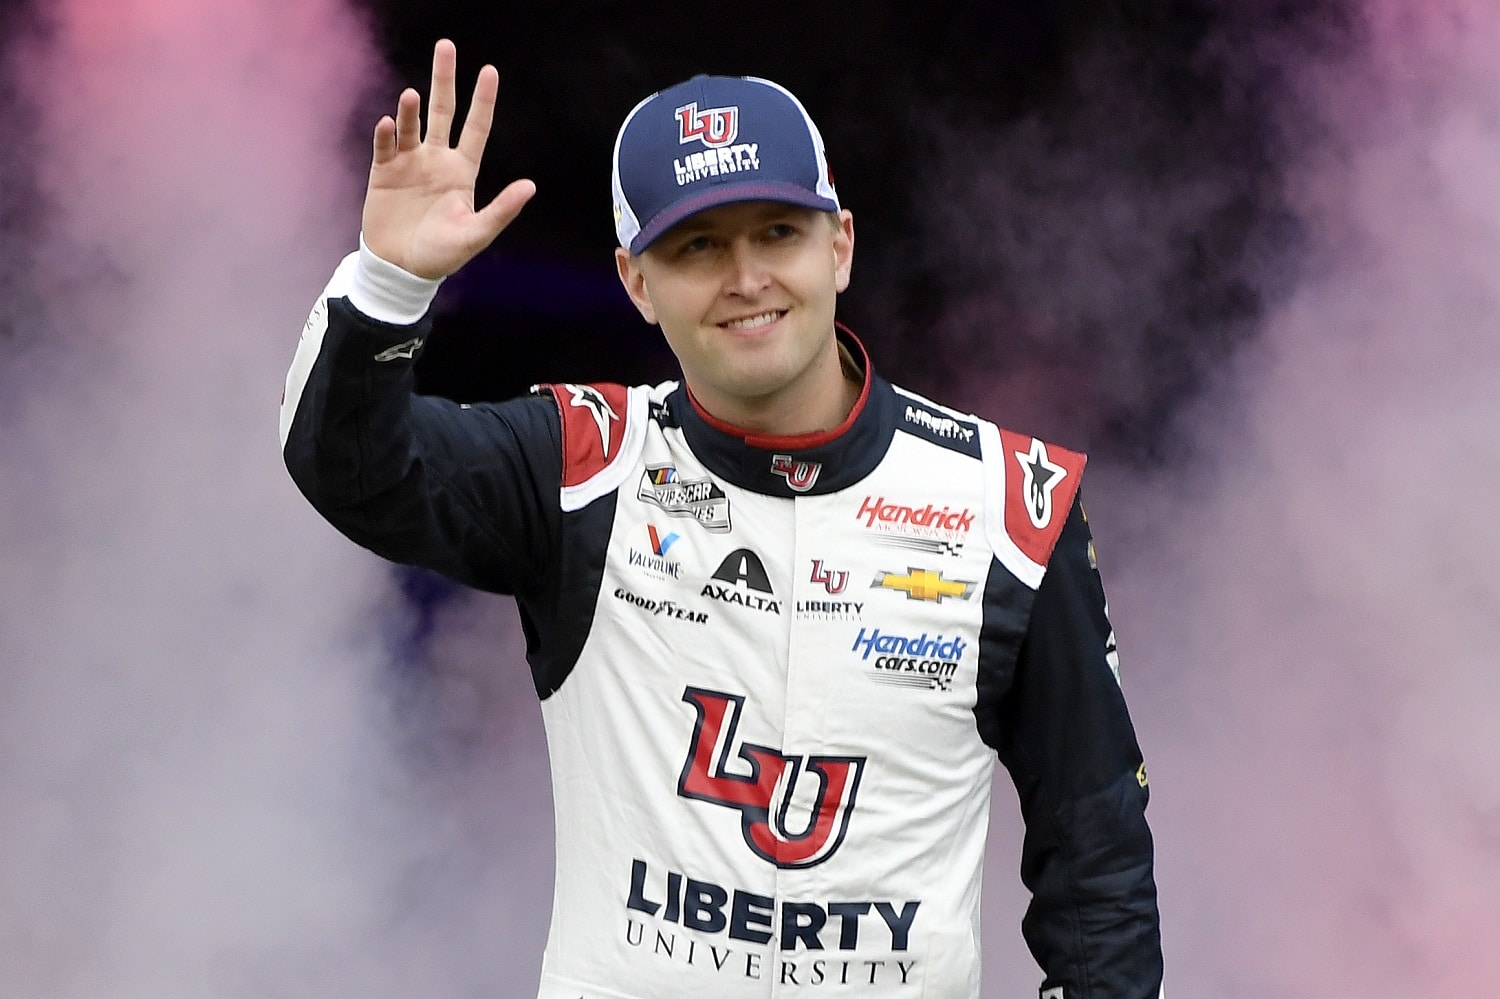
(711, 141)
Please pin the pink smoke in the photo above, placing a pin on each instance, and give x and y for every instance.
(1310, 635)
(203, 792)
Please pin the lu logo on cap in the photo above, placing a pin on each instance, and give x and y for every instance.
(714, 128)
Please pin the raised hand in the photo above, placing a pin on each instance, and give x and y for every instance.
(419, 206)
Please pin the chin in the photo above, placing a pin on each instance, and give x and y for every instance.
(747, 389)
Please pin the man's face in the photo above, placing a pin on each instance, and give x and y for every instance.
(744, 294)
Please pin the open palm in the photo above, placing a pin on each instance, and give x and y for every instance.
(419, 207)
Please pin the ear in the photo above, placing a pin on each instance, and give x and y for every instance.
(635, 283)
(843, 249)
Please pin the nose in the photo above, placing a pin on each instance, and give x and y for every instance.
(747, 274)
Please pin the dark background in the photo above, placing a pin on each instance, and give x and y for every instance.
(1079, 111)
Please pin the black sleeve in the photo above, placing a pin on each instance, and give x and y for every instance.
(467, 491)
(1071, 749)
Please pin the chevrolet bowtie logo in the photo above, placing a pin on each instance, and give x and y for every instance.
(923, 584)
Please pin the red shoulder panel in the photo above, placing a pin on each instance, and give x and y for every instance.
(1040, 482)
(593, 426)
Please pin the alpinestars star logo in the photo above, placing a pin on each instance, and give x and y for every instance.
(763, 794)
(406, 349)
(800, 475)
(589, 398)
(1041, 476)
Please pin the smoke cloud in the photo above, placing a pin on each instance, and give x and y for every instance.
(1334, 720)
(206, 789)
(1307, 606)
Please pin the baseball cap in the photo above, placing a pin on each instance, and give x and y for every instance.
(713, 140)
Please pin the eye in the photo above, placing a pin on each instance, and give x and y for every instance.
(778, 231)
(694, 246)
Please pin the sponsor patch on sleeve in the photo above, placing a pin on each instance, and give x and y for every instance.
(593, 427)
(940, 428)
(1040, 482)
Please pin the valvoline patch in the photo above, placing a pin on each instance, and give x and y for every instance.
(1041, 481)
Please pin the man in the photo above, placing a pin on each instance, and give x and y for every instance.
(782, 617)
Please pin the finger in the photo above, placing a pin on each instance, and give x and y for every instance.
(502, 211)
(385, 140)
(476, 131)
(408, 120)
(443, 102)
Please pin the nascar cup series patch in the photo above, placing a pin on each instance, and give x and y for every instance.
(701, 499)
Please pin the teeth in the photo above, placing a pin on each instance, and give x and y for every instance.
(753, 322)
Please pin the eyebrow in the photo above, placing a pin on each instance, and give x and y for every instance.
(690, 224)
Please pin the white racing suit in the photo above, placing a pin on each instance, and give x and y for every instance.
(776, 673)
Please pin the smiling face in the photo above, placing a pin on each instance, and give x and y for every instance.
(744, 294)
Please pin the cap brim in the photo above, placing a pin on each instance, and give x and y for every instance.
(728, 194)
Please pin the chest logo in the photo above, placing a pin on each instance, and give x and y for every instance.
(655, 563)
(765, 790)
(923, 661)
(700, 499)
(923, 584)
(749, 585)
(876, 512)
(831, 580)
(800, 475)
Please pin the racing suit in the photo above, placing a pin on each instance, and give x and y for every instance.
(775, 672)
